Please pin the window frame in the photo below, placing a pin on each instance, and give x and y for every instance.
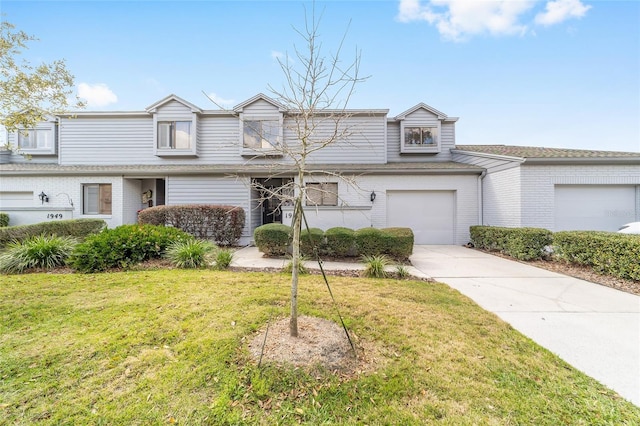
(267, 146)
(407, 129)
(101, 202)
(324, 192)
(171, 149)
(41, 128)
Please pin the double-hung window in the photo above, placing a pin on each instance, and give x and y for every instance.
(420, 135)
(174, 135)
(322, 194)
(96, 198)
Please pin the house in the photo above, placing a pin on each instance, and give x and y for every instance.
(386, 171)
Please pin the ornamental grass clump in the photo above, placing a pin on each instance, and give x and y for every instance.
(223, 259)
(190, 254)
(39, 252)
(375, 266)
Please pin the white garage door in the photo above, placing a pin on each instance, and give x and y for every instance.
(594, 207)
(16, 199)
(430, 214)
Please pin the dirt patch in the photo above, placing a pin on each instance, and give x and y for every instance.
(320, 343)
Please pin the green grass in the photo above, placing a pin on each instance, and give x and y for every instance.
(158, 347)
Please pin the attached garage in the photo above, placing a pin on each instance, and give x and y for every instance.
(594, 207)
(430, 214)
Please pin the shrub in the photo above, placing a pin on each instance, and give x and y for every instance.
(223, 259)
(312, 242)
(302, 269)
(272, 239)
(76, 228)
(370, 241)
(4, 219)
(520, 243)
(36, 252)
(399, 242)
(124, 246)
(190, 254)
(340, 242)
(606, 252)
(222, 224)
(374, 266)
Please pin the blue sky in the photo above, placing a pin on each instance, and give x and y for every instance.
(555, 73)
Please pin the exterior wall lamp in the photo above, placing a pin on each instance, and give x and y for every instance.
(43, 197)
(373, 196)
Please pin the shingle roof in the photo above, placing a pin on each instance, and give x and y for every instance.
(147, 170)
(541, 152)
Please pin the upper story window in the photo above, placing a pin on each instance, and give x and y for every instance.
(39, 140)
(420, 139)
(175, 138)
(261, 134)
(420, 135)
(322, 194)
(174, 135)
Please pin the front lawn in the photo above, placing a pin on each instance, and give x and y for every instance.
(170, 346)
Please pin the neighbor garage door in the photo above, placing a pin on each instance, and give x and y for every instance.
(430, 214)
(594, 207)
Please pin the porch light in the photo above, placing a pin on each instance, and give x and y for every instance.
(43, 197)
(373, 196)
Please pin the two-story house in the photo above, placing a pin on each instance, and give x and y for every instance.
(380, 171)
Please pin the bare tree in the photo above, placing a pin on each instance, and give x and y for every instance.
(316, 93)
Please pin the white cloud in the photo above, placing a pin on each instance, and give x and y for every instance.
(561, 10)
(458, 20)
(97, 95)
(220, 101)
(277, 55)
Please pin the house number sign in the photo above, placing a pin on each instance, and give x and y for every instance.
(55, 216)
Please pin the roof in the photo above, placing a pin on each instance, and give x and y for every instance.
(32, 169)
(421, 105)
(170, 98)
(542, 154)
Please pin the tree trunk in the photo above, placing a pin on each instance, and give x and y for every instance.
(297, 226)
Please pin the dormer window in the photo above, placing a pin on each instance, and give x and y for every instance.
(37, 141)
(420, 136)
(261, 134)
(174, 135)
(418, 139)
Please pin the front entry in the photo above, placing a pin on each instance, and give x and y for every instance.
(270, 202)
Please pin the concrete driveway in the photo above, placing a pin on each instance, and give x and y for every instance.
(594, 328)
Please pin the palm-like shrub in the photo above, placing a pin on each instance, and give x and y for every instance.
(190, 254)
(375, 266)
(36, 252)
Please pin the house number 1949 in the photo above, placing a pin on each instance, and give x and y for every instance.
(54, 216)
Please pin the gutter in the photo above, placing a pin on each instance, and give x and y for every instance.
(481, 197)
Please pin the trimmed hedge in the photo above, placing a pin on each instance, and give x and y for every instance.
(273, 239)
(4, 219)
(77, 228)
(606, 252)
(340, 242)
(310, 240)
(222, 224)
(519, 243)
(124, 246)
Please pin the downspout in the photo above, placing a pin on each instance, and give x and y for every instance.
(481, 197)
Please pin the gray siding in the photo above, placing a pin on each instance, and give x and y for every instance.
(211, 190)
(174, 110)
(420, 117)
(109, 141)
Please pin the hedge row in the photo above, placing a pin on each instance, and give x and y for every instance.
(222, 224)
(606, 252)
(519, 243)
(77, 228)
(4, 219)
(275, 240)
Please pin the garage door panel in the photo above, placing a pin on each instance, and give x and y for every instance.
(430, 214)
(594, 207)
